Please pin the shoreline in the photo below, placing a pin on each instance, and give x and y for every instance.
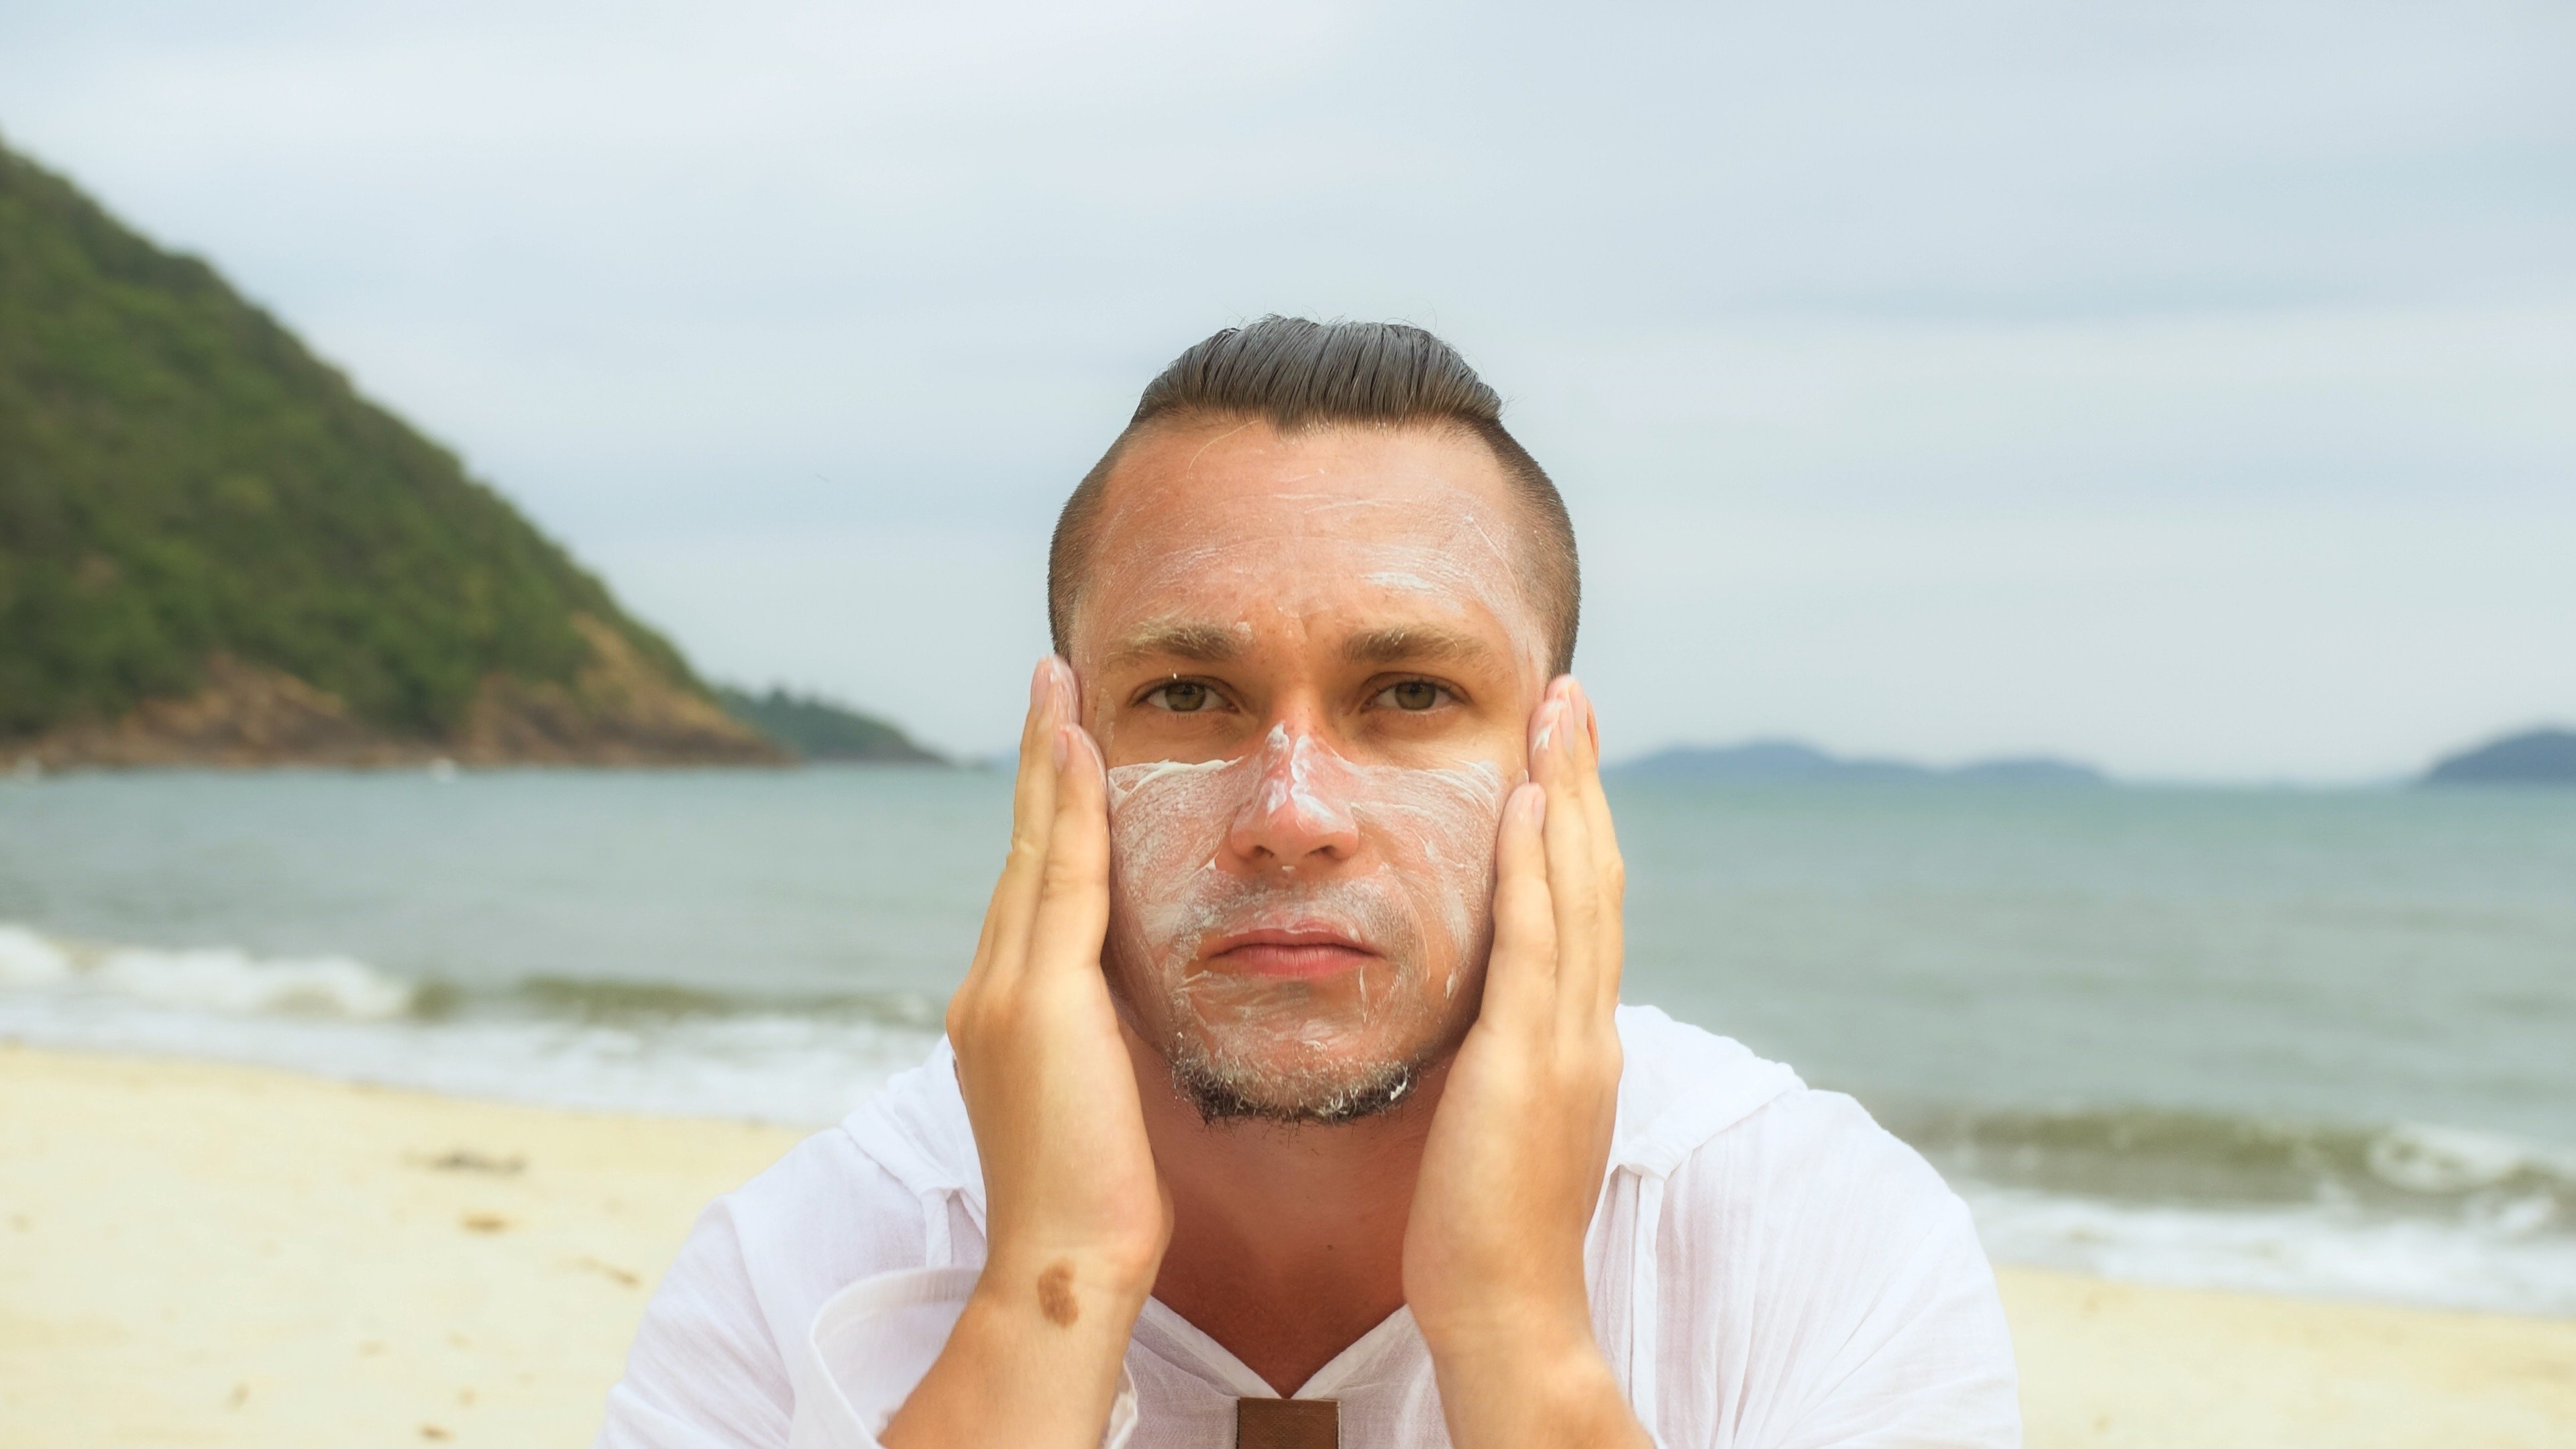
(225, 1253)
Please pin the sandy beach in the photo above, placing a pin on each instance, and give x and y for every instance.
(204, 1254)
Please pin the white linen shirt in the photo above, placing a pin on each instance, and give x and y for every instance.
(1769, 1269)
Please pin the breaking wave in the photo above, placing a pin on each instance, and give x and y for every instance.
(2146, 1155)
(220, 980)
(617, 1046)
(2403, 1212)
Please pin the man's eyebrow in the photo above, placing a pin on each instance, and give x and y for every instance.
(1205, 643)
(1413, 643)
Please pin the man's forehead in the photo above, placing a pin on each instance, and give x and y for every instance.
(1363, 642)
(1371, 530)
(1177, 484)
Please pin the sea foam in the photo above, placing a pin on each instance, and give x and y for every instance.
(220, 979)
(235, 983)
(2509, 1256)
(604, 1046)
(2404, 1212)
(29, 960)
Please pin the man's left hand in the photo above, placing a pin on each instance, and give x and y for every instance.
(1493, 1251)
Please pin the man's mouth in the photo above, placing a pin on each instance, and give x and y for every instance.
(1299, 952)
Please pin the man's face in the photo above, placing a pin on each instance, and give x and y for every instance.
(1309, 662)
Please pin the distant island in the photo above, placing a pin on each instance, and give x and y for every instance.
(2536, 757)
(214, 551)
(1776, 762)
(814, 728)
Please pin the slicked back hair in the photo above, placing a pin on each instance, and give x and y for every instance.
(1295, 375)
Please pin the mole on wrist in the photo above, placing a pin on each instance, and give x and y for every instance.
(1055, 1294)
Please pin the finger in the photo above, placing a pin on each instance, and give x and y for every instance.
(1006, 912)
(1573, 888)
(1073, 895)
(1032, 736)
(1033, 812)
(1610, 868)
(1520, 973)
(1587, 760)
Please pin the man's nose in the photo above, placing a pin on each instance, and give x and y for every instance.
(1299, 814)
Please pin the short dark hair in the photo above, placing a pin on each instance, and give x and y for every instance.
(1296, 374)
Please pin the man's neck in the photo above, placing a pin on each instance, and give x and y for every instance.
(1287, 1242)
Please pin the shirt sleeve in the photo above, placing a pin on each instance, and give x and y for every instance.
(1932, 1364)
(870, 1345)
(1871, 1319)
(706, 1372)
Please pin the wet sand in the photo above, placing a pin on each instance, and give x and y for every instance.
(208, 1254)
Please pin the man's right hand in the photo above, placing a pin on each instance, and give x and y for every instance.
(1076, 1216)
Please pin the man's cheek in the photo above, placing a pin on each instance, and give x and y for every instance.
(1438, 826)
(1166, 825)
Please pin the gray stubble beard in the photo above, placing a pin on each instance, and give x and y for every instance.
(1224, 1096)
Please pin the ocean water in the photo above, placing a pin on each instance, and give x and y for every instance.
(2309, 1042)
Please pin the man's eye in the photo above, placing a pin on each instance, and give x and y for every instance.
(1412, 696)
(1182, 696)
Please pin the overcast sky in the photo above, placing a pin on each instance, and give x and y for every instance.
(2186, 387)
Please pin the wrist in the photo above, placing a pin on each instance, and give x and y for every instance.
(1073, 1290)
(1538, 1339)
(1537, 1383)
(1539, 1316)
(1032, 1361)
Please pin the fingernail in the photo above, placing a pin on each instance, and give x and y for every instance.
(1059, 747)
(1533, 804)
(1041, 679)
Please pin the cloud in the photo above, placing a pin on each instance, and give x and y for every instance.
(764, 305)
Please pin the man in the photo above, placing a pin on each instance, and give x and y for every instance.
(1288, 1099)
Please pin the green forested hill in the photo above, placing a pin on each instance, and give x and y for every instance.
(815, 728)
(186, 493)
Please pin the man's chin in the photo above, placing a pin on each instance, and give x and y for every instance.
(1298, 1077)
(1242, 1049)
(1309, 1096)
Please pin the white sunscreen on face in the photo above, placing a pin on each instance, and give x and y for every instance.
(1295, 834)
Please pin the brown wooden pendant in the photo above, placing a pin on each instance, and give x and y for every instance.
(1287, 1424)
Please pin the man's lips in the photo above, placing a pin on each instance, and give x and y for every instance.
(1296, 952)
